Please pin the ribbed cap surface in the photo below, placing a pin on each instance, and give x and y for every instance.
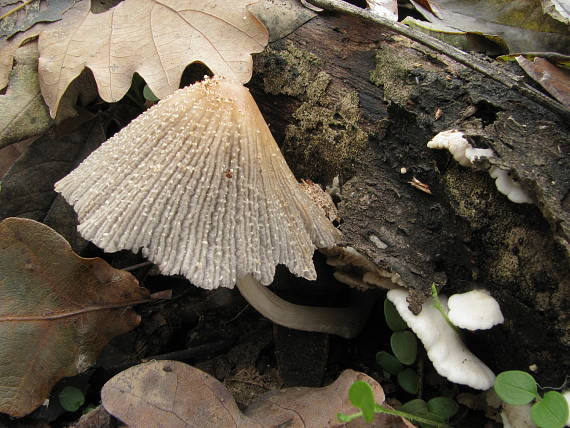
(200, 185)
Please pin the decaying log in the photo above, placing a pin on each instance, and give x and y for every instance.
(345, 97)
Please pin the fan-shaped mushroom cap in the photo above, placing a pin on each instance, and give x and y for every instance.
(199, 184)
(474, 310)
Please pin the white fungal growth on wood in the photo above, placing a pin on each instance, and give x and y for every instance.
(199, 183)
(474, 310)
(465, 154)
(508, 186)
(449, 355)
(459, 147)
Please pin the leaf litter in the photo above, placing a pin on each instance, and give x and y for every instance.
(57, 311)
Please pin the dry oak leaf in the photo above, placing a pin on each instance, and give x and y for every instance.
(156, 39)
(57, 311)
(173, 394)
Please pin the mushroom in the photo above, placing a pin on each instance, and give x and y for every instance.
(465, 154)
(450, 357)
(474, 310)
(509, 187)
(199, 183)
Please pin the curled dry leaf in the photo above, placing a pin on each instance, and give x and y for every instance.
(553, 79)
(155, 40)
(521, 25)
(173, 394)
(57, 311)
(558, 9)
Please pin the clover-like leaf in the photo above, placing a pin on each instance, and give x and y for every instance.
(516, 387)
(551, 411)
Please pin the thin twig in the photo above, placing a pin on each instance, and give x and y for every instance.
(489, 70)
(137, 266)
(192, 353)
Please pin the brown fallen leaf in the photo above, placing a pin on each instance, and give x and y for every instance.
(174, 394)
(554, 80)
(157, 40)
(10, 154)
(57, 311)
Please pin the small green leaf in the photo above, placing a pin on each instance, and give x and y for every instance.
(343, 417)
(388, 362)
(148, 95)
(444, 407)
(516, 387)
(393, 318)
(71, 398)
(360, 395)
(551, 411)
(404, 346)
(417, 406)
(408, 380)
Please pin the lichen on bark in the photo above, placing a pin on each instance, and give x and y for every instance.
(325, 137)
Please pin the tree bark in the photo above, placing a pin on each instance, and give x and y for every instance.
(346, 97)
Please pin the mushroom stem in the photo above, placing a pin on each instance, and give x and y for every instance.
(344, 322)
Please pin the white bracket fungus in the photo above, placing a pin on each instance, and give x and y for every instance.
(465, 154)
(509, 187)
(474, 310)
(450, 357)
(199, 183)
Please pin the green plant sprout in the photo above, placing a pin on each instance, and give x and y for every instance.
(438, 305)
(518, 388)
(361, 396)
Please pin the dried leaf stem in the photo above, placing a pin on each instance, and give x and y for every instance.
(48, 317)
(489, 70)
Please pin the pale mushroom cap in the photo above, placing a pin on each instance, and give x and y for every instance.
(509, 187)
(199, 183)
(455, 142)
(450, 358)
(475, 310)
